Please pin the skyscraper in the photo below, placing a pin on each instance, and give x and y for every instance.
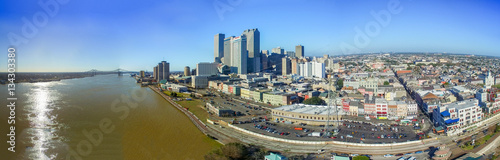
(227, 50)
(187, 71)
(278, 50)
(263, 60)
(253, 47)
(239, 54)
(218, 47)
(287, 68)
(295, 65)
(163, 71)
(155, 72)
(299, 51)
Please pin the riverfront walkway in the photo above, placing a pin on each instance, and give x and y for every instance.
(196, 121)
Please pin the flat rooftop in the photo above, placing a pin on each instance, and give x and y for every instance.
(309, 109)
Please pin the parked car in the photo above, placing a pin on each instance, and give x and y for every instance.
(388, 155)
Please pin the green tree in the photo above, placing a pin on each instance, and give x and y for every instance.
(360, 158)
(386, 83)
(340, 83)
(314, 101)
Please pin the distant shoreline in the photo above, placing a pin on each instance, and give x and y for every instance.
(34, 77)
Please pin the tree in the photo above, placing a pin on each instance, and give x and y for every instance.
(173, 94)
(360, 158)
(340, 83)
(386, 83)
(314, 101)
(234, 150)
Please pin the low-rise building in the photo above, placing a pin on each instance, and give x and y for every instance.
(307, 114)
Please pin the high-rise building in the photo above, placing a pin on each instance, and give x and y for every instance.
(290, 53)
(312, 69)
(295, 65)
(287, 68)
(142, 74)
(227, 50)
(299, 51)
(155, 72)
(163, 71)
(239, 54)
(206, 69)
(253, 48)
(193, 71)
(278, 50)
(187, 71)
(218, 47)
(264, 61)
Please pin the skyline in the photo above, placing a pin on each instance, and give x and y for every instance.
(136, 36)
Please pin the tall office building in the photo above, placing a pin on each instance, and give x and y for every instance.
(163, 71)
(287, 66)
(278, 50)
(218, 47)
(227, 50)
(155, 72)
(142, 74)
(239, 54)
(264, 61)
(295, 65)
(312, 69)
(187, 71)
(253, 47)
(299, 51)
(290, 53)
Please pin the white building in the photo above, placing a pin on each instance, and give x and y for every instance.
(199, 81)
(468, 111)
(312, 69)
(206, 69)
(239, 54)
(412, 108)
(489, 81)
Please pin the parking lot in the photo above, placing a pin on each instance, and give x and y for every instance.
(347, 132)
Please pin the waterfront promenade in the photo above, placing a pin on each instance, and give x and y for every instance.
(221, 138)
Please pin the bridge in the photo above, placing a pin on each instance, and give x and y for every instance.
(118, 71)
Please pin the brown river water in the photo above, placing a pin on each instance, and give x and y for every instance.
(103, 117)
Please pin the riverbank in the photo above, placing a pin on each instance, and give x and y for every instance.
(217, 136)
(33, 77)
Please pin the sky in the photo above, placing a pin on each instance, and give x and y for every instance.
(70, 35)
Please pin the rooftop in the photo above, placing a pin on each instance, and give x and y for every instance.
(307, 109)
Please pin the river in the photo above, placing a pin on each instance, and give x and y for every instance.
(102, 117)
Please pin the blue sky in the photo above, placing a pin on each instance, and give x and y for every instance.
(136, 35)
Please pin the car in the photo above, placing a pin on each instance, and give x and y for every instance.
(399, 154)
(401, 158)
(418, 152)
(388, 155)
(408, 153)
(411, 158)
(427, 150)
